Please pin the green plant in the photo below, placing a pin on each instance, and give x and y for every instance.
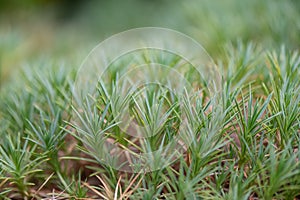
(240, 143)
(19, 163)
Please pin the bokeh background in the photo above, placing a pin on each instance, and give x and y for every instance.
(33, 31)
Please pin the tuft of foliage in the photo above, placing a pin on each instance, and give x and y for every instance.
(247, 148)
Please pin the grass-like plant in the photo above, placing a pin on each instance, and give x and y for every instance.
(52, 140)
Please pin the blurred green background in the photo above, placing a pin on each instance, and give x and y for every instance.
(43, 30)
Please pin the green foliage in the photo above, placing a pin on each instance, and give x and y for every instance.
(245, 147)
(19, 163)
